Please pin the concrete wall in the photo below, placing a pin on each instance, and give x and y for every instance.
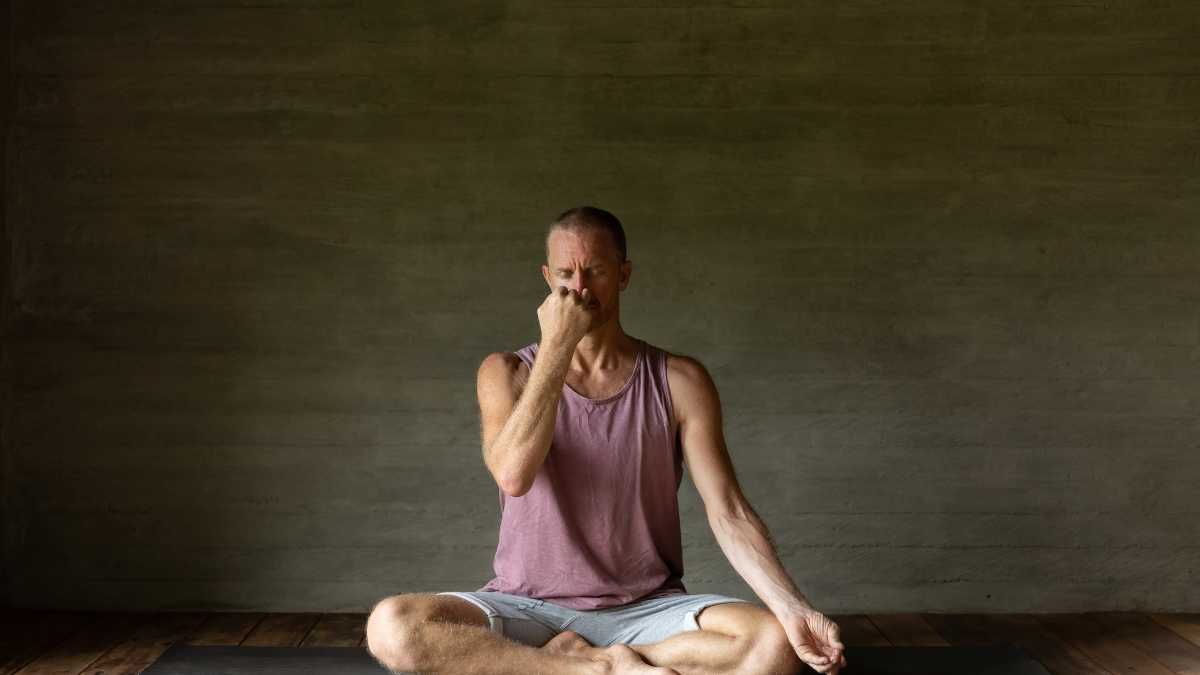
(941, 259)
(6, 105)
(5, 288)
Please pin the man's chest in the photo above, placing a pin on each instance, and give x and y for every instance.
(599, 388)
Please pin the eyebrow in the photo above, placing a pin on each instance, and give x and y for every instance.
(569, 269)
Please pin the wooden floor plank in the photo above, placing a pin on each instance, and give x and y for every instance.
(116, 643)
(224, 628)
(26, 634)
(1057, 655)
(146, 644)
(1186, 626)
(1164, 645)
(281, 630)
(962, 629)
(73, 655)
(337, 630)
(1098, 642)
(857, 630)
(908, 630)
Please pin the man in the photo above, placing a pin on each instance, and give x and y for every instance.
(585, 433)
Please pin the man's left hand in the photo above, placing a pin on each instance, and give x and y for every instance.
(815, 638)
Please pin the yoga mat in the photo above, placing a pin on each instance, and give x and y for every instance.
(206, 660)
(210, 660)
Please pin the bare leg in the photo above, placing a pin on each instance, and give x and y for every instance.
(401, 640)
(696, 652)
(734, 637)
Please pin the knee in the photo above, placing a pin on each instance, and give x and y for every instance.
(770, 653)
(391, 633)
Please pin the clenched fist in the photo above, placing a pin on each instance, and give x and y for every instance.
(566, 315)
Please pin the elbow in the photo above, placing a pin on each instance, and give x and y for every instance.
(510, 480)
(507, 483)
(514, 489)
(514, 486)
(516, 493)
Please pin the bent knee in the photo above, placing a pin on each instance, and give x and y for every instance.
(390, 631)
(387, 614)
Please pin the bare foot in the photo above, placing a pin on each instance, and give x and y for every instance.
(569, 642)
(620, 658)
(625, 661)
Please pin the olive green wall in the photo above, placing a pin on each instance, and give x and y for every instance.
(941, 259)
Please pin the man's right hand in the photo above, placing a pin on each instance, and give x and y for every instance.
(566, 316)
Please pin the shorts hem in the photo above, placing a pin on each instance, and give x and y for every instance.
(691, 620)
(493, 617)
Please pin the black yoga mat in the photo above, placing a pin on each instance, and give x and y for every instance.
(196, 660)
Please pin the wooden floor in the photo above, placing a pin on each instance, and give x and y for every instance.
(112, 643)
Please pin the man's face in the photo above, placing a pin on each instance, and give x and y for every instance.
(582, 258)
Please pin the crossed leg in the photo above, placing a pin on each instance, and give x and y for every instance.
(734, 637)
(424, 633)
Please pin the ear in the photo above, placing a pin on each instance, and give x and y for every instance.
(546, 276)
(626, 270)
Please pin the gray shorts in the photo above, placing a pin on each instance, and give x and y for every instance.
(534, 622)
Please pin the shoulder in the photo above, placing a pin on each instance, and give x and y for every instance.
(503, 368)
(687, 369)
(691, 385)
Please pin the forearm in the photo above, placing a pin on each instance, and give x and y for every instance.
(744, 539)
(524, 441)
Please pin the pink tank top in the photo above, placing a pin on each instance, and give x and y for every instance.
(600, 525)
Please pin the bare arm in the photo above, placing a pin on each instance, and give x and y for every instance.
(518, 426)
(743, 537)
(739, 531)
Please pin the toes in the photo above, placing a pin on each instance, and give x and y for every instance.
(558, 643)
(567, 641)
(581, 640)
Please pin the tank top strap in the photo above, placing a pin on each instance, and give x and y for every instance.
(658, 393)
(656, 373)
(527, 353)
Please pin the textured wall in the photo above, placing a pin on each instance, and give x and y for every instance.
(5, 288)
(941, 259)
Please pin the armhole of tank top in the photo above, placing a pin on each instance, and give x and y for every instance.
(661, 366)
(523, 355)
(676, 442)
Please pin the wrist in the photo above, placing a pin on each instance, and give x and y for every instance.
(557, 342)
(796, 607)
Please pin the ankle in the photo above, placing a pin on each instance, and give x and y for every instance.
(601, 662)
(599, 667)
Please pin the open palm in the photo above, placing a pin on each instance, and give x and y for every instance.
(816, 639)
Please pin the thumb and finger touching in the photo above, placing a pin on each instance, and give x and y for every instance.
(821, 648)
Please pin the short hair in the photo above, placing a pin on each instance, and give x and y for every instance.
(590, 217)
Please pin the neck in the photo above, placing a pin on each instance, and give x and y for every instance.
(602, 349)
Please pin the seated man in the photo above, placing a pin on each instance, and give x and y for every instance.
(585, 433)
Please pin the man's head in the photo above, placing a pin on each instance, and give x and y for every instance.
(585, 248)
